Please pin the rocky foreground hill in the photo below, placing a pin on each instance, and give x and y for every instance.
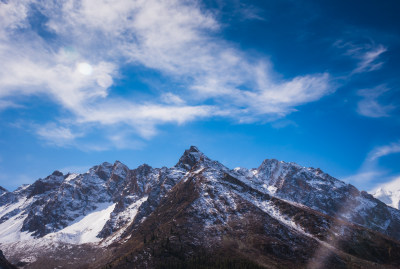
(197, 214)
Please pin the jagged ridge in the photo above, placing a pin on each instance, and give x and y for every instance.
(62, 208)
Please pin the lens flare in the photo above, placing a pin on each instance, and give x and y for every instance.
(85, 69)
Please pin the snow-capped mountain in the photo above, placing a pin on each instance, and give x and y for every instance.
(279, 213)
(63, 207)
(389, 193)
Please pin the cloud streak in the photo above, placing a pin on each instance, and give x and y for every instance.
(57, 135)
(370, 170)
(83, 45)
(369, 105)
(385, 150)
(366, 54)
(369, 59)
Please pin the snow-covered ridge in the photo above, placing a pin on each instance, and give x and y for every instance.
(82, 208)
(99, 206)
(389, 193)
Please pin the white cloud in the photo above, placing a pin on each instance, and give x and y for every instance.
(249, 12)
(368, 60)
(392, 184)
(170, 98)
(122, 140)
(57, 135)
(385, 150)
(143, 118)
(367, 55)
(370, 106)
(91, 40)
(12, 16)
(370, 170)
(5, 104)
(363, 178)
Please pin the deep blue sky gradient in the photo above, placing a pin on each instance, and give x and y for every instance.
(298, 38)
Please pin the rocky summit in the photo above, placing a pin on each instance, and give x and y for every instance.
(197, 214)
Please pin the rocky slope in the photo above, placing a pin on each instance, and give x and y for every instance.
(4, 263)
(197, 212)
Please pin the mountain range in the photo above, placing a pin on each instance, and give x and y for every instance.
(197, 214)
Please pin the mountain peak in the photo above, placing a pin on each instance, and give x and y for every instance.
(57, 173)
(193, 149)
(189, 158)
(389, 193)
(3, 190)
(119, 165)
(103, 170)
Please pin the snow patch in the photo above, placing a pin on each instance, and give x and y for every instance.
(128, 214)
(71, 177)
(271, 189)
(269, 208)
(85, 229)
(10, 230)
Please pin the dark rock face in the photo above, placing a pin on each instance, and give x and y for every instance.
(189, 158)
(57, 173)
(2, 190)
(4, 264)
(42, 186)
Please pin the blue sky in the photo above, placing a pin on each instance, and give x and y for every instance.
(311, 82)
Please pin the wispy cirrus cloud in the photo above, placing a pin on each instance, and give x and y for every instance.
(5, 104)
(370, 170)
(170, 98)
(57, 135)
(385, 150)
(83, 45)
(369, 59)
(366, 54)
(370, 106)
